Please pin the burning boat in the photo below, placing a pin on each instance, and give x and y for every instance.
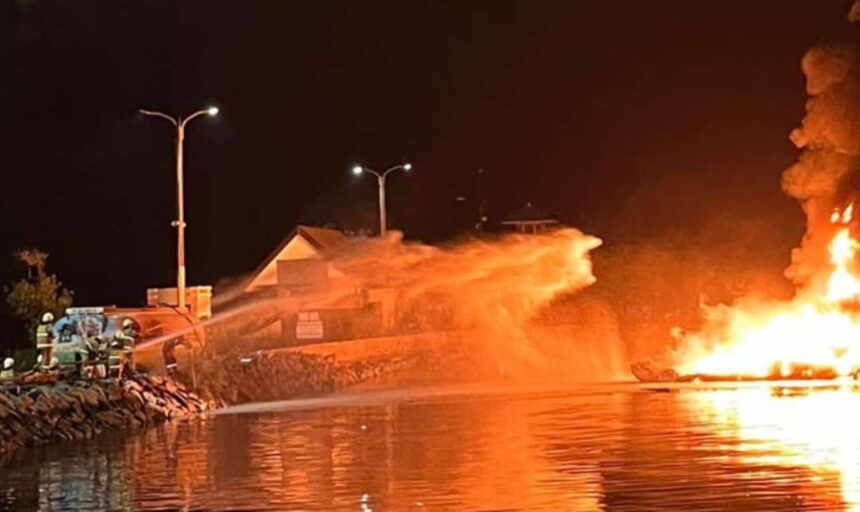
(646, 371)
(816, 334)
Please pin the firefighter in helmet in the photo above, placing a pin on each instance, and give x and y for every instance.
(45, 337)
(122, 348)
(94, 350)
(8, 371)
(168, 352)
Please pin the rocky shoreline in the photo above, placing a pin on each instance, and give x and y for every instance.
(232, 380)
(67, 410)
(74, 410)
(39, 413)
(237, 378)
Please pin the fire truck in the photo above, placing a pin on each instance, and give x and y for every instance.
(157, 322)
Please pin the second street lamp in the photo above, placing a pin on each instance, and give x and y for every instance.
(179, 223)
(380, 177)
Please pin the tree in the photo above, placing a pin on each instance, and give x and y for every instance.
(37, 293)
(35, 259)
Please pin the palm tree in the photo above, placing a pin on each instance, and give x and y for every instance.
(34, 259)
(38, 293)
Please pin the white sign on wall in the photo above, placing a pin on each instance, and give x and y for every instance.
(309, 326)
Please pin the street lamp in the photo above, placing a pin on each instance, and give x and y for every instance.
(179, 223)
(380, 177)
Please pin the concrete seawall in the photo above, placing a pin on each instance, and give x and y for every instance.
(382, 347)
(43, 413)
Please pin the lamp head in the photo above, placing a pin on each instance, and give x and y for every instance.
(212, 111)
(407, 167)
(357, 170)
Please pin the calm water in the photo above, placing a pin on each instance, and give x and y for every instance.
(595, 448)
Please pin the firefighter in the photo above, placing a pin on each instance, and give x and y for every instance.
(122, 348)
(102, 357)
(93, 350)
(168, 351)
(8, 371)
(115, 356)
(45, 337)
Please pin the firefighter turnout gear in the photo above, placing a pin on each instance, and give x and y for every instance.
(168, 351)
(122, 349)
(8, 371)
(45, 337)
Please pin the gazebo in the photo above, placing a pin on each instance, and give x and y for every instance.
(531, 220)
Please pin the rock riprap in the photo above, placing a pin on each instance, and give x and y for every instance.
(227, 380)
(236, 378)
(70, 410)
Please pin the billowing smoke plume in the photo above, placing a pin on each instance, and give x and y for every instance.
(825, 177)
(854, 13)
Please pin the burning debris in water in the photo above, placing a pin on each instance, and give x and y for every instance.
(819, 329)
(817, 333)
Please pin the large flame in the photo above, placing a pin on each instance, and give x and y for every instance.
(842, 285)
(817, 330)
(820, 327)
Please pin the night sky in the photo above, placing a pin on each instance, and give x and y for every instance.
(629, 119)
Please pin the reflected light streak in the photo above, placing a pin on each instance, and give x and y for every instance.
(819, 430)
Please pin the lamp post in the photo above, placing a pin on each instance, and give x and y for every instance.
(179, 223)
(380, 178)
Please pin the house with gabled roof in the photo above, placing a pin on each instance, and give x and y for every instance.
(318, 302)
(303, 244)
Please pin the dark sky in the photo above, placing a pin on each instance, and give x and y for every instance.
(628, 118)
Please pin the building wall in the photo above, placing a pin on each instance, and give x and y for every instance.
(342, 324)
(297, 249)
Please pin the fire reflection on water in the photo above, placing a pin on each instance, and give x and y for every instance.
(603, 448)
(793, 427)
